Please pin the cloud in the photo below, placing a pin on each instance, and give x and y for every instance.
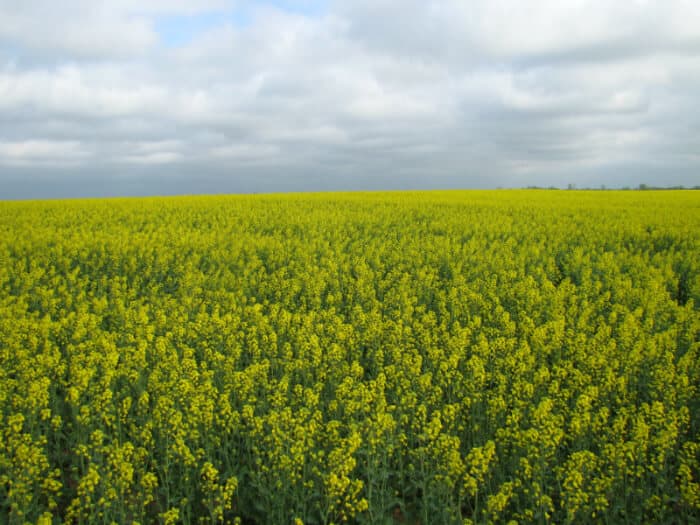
(97, 92)
(380, 93)
(479, 32)
(76, 28)
(46, 152)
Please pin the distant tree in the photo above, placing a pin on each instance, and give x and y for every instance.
(643, 187)
(571, 186)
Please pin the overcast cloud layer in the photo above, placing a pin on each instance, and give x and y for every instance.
(129, 97)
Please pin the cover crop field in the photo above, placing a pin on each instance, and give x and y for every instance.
(374, 358)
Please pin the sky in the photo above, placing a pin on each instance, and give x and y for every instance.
(159, 97)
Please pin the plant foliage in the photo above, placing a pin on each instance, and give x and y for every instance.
(435, 357)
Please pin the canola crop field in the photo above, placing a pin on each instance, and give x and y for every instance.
(369, 358)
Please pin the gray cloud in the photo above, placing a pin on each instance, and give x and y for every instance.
(361, 94)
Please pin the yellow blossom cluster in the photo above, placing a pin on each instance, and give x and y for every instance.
(365, 358)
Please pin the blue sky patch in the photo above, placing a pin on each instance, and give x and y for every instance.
(302, 7)
(179, 30)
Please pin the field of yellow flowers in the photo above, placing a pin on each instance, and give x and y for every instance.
(370, 358)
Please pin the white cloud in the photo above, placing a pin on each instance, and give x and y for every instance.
(432, 89)
(78, 27)
(86, 28)
(244, 152)
(487, 30)
(42, 151)
(81, 91)
(160, 157)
